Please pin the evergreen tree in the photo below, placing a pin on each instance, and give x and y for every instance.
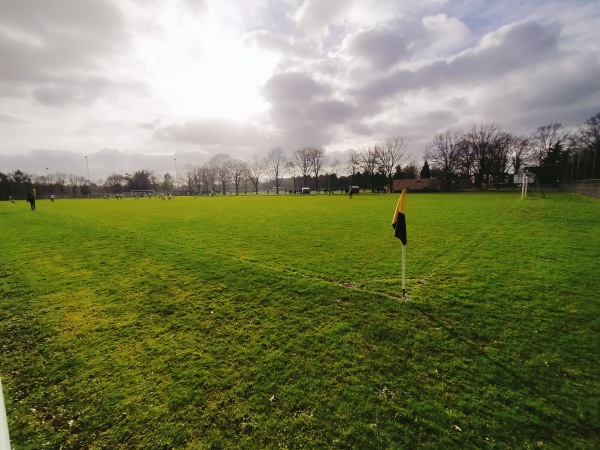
(425, 171)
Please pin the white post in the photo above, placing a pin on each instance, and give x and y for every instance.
(403, 272)
(522, 185)
(4, 438)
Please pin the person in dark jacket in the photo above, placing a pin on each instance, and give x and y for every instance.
(31, 200)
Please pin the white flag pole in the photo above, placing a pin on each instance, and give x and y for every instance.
(4, 438)
(403, 272)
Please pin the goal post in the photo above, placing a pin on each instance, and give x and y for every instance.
(142, 193)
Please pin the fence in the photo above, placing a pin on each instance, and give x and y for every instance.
(588, 188)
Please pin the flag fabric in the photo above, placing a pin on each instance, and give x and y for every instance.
(399, 221)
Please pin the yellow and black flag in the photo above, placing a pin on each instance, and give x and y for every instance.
(399, 221)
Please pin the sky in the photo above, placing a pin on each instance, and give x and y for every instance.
(161, 84)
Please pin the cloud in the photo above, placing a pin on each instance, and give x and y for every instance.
(55, 52)
(303, 110)
(9, 118)
(220, 132)
(199, 77)
(315, 16)
(508, 50)
(445, 33)
(196, 6)
(41, 39)
(289, 46)
(330, 111)
(293, 87)
(380, 47)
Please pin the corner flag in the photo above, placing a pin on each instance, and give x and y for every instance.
(399, 221)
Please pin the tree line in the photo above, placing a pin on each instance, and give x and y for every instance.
(486, 154)
(482, 157)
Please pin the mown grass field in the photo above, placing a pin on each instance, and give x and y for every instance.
(277, 322)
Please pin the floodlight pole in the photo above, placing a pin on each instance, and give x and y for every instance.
(88, 169)
(176, 186)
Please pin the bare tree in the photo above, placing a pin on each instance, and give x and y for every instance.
(589, 146)
(239, 171)
(317, 160)
(392, 152)
(334, 166)
(168, 182)
(189, 176)
(74, 182)
(292, 169)
(113, 183)
(256, 170)
(500, 160)
(481, 143)
(545, 138)
(411, 170)
(302, 160)
(353, 164)
(368, 158)
(221, 165)
(60, 179)
(275, 166)
(207, 177)
(520, 152)
(152, 180)
(445, 153)
(549, 150)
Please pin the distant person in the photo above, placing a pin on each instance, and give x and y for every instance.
(11, 198)
(52, 198)
(31, 200)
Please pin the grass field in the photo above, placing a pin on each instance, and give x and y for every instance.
(277, 322)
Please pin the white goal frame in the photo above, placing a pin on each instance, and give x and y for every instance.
(142, 193)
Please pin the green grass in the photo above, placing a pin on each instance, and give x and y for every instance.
(277, 322)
